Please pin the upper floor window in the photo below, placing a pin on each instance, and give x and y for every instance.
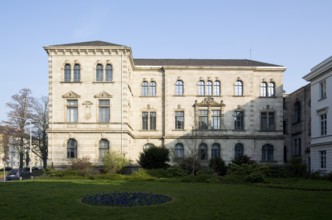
(179, 120)
(238, 120)
(203, 119)
(271, 89)
(149, 117)
(201, 86)
(215, 151)
(239, 151)
(109, 72)
(238, 88)
(104, 110)
(77, 72)
(208, 88)
(67, 73)
(145, 88)
(322, 89)
(323, 124)
(104, 148)
(216, 119)
(71, 148)
(72, 110)
(267, 153)
(99, 73)
(216, 88)
(263, 89)
(179, 87)
(152, 88)
(267, 121)
(179, 151)
(322, 155)
(297, 112)
(202, 152)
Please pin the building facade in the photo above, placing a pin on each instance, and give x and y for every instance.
(320, 78)
(297, 124)
(103, 99)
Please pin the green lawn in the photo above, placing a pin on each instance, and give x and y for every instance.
(60, 199)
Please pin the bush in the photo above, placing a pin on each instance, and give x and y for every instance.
(83, 167)
(297, 167)
(139, 175)
(114, 162)
(175, 171)
(201, 178)
(53, 173)
(218, 165)
(329, 176)
(190, 165)
(244, 159)
(255, 178)
(159, 173)
(154, 158)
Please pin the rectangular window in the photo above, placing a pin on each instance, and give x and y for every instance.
(72, 110)
(104, 111)
(179, 120)
(238, 122)
(145, 121)
(152, 121)
(322, 158)
(322, 90)
(267, 121)
(216, 116)
(203, 119)
(323, 124)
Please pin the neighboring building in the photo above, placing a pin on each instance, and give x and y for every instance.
(320, 78)
(102, 99)
(297, 124)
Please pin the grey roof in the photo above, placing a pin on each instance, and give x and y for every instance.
(88, 43)
(200, 62)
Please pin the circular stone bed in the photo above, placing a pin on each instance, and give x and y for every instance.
(125, 199)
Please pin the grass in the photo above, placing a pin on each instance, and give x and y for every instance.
(60, 199)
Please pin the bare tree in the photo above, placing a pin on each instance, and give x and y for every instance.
(40, 119)
(4, 143)
(20, 112)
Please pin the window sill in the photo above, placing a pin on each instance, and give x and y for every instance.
(238, 130)
(268, 97)
(238, 95)
(268, 130)
(148, 130)
(323, 98)
(208, 96)
(149, 96)
(101, 82)
(71, 82)
(178, 130)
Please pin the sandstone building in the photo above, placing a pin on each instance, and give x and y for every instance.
(103, 99)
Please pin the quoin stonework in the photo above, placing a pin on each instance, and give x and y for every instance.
(103, 99)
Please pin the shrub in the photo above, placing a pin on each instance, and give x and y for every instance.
(139, 175)
(83, 166)
(244, 159)
(218, 165)
(329, 176)
(277, 171)
(159, 173)
(175, 171)
(114, 162)
(297, 167)
(255, 178)
(53, 173)
(154, 158)
(190, 165)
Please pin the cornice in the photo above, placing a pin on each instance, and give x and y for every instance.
(55, 51)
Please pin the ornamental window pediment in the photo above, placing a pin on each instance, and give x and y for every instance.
(71, 94)
(103, 94)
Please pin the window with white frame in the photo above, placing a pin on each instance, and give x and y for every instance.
(238, 86)
(67, 72)
(71, 148)
(208, 88)
(179, 151)
(322, 89)
(99, 72)
(203, 119)
(179, 120)
(271, 89)
(179, 87)
(77, 72)
(216, 88)
(201, 87)
(322, 155)
(216, 119)
(104, 110)
(263, 89)
(215, 151)
(149, 120)
(109, 73)
(323, 124)
(145, 88)
(104, 148)
(102, 76)
(72, 110)
(152, 88)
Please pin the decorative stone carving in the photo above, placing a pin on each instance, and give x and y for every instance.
(103, 94)
(71, 94)
(209, 101)
(87, 109)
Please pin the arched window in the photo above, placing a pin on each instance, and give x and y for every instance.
(297, 111)
(203, 152)
(144, 88)
(238, 88)
(72, 148)
(99, 72)
(179, 151)
(109, 73)
(77, 72)
(238, 151)
(215, 151)
(147, 146)
(263, 89)
(179, 87)
(104, 148)
(67, 73)
(216, 88)
(208, 88)
(271, 89)
(267, 153)
(152, 88)
(201, 87)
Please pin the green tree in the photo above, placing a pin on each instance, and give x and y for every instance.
(154, 158)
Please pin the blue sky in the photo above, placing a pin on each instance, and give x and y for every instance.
(293, 33)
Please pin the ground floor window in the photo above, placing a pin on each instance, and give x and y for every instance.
(72, 148)
(104, 148)
(267, 153)
(179, 151)
(322, 158)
